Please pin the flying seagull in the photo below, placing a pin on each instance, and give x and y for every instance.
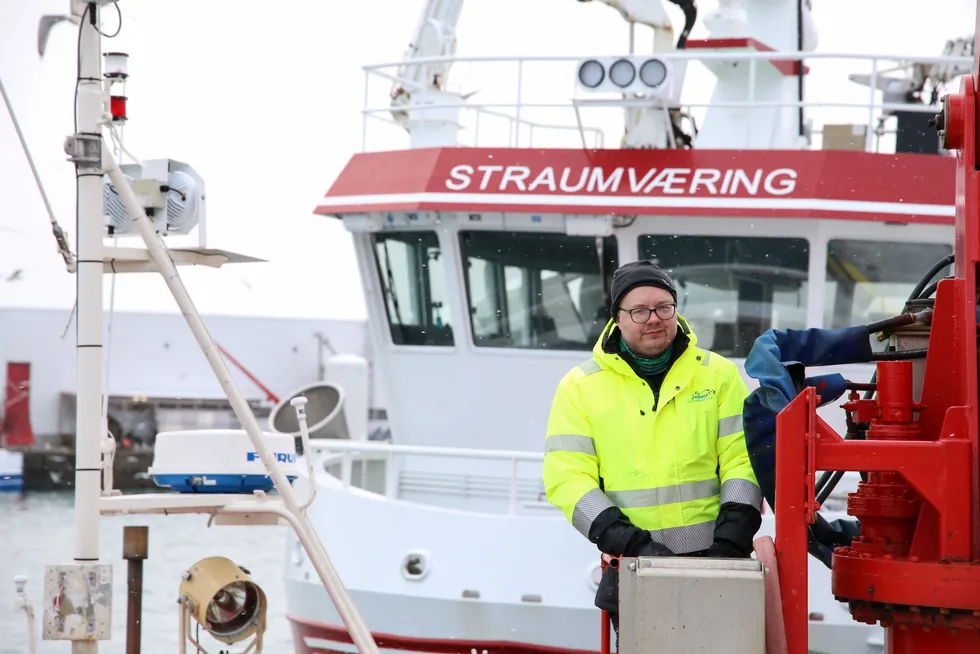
(44, 27)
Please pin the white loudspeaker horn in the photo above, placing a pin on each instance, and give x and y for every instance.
(324, 413)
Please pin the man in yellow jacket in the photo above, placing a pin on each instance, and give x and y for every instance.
(645, 453)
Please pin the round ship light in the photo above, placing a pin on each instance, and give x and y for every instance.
(116, 65)
(591, 74)
(653, 73)
(622, 73)
(221, 597)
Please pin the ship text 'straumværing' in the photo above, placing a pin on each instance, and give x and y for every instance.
(667, 181)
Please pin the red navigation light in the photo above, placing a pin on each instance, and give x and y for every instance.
(117, 105)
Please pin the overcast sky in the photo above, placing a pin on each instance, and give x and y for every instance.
(265, 103)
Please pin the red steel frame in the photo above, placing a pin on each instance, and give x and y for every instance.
(916, 567)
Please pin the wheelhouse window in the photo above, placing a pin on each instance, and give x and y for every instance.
(537, 290)
(872, 280)
(731, 289)
(413, 280)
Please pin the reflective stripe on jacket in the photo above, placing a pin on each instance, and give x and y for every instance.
(668, 468)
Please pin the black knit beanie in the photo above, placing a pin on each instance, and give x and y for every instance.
(634, 274)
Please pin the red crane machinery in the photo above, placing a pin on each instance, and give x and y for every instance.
(915, 568)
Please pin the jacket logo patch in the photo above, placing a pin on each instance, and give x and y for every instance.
(700, 396)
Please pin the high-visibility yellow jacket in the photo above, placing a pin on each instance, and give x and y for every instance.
(667, 467)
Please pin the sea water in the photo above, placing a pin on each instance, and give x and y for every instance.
(37, 529)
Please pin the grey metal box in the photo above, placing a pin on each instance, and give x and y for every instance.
(691, 606)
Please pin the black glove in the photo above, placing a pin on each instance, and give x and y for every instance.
(735, 530)
(614, 534)
(826, 536)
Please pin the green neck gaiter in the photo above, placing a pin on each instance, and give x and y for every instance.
(649, 365)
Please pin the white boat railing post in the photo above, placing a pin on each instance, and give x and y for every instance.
(391, 476)
(513, 487)
(346, 469)
(520, 94)
(872, 87)
(365, 117)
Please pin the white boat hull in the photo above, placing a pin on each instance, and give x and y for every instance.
(500, 583)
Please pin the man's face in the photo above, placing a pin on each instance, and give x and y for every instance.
(651, 337)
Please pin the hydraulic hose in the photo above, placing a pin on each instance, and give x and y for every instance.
(902, 355)
(939, 265)
(829, 480)
(900, 320)
(923, 289)
(930, 289)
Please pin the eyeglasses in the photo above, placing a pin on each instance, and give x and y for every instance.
(642, 314)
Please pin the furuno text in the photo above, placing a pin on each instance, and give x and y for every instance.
(281, 457)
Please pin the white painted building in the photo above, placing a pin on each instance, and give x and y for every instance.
(155, 356)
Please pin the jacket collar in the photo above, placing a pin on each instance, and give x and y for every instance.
(606, 350)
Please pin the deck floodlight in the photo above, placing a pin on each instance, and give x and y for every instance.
(221, 597)
(650, 76)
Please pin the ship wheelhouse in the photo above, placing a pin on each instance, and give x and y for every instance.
(485, 270)
(475, 316)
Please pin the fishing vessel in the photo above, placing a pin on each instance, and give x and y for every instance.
(485, 256)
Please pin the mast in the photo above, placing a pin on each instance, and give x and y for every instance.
(85, 150)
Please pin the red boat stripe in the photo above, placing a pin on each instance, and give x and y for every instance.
(303, 628)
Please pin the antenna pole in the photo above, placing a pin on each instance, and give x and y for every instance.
(85, 149)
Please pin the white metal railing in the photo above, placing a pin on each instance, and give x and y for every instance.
(346, 453)
(515, 107)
